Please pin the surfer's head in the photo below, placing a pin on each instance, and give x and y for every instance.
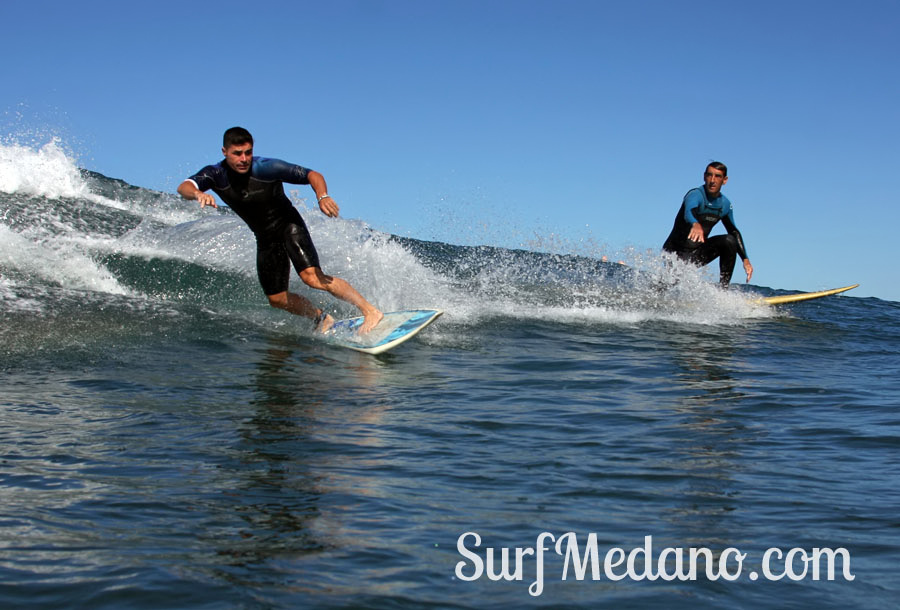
(715, 165)
(236, 136)
(237, 146)
(714, 178)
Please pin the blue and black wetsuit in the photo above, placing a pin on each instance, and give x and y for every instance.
(258, 198)
(696, 207)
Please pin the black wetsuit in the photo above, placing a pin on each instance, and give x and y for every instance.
(258, 198)
(696, 207)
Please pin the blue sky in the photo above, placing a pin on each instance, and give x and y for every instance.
(574, 125)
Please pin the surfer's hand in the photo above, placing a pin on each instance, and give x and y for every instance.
(329, 207)
(696, 233)
(206, 199)
(748, 268)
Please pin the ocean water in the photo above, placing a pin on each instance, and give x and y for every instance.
(169, 441)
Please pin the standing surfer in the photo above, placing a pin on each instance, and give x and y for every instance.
(253, 188)
(701, 209)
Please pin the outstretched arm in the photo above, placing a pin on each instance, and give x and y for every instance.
(189, 190)
(693, 199)
(328, 206)
(728, 223)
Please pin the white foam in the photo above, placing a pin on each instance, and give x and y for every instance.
(46, 172)
(381, 268)
(659, 290)
(49, 172)
(67, 267)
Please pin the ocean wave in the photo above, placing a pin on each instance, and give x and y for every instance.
(81, 230)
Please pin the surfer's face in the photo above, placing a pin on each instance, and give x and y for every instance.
(239, 157)
(714, 179)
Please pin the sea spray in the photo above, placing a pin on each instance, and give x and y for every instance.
(82, 231)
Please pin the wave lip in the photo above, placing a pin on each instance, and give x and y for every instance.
(46, 172)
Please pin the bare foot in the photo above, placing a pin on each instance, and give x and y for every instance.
(325, 325)
(371, 321)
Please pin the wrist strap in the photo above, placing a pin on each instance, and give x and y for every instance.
(319, 200)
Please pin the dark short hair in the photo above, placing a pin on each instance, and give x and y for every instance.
(236, 136)
(715, 165)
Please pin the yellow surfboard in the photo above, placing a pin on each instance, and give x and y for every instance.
(803, 296)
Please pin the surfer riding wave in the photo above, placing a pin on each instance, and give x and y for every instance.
(253, 188)
(702, 208)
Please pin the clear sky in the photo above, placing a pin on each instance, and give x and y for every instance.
(573, 125)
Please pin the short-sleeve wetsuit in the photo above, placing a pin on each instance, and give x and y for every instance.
(258, 198)
(696, 207)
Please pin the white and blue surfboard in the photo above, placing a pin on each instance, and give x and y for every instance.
(395, 328)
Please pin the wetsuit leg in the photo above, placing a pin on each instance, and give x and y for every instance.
(299, 245)
(723, 247)
(276, 252)
(727, 246)
(273, 267)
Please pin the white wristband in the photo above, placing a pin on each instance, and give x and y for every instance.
(319, 200)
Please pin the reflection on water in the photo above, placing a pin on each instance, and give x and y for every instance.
(708, 435)
(301, 466)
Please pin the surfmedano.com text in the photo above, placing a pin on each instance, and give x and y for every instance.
(642, 563)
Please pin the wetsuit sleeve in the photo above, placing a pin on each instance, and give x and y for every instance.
(276, 169)
(208, 177)
(692, 200)
(728, 223)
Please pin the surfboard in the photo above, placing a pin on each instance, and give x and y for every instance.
(395, 328)
(803, 296)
